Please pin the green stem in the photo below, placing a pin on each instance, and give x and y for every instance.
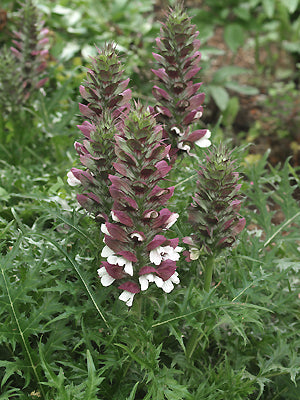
(208, 272)
(137, 306)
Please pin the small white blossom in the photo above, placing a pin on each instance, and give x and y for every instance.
(145, 279)
(184, 147)
(204, 141)
(137, 235)
(117, 260)
(177, 131)
(162, 253)
(114, 217)
(171, 220)
(106, 279)
(194, 253)
(127, 297)
(198, 115)
(104, 229)
(72, 181)
(167, 286)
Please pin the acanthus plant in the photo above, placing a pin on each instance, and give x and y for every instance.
(214, 213)
(23, 73)
(107, 104)
(179, 102)
(136, 249)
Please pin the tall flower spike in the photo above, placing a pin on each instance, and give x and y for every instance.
(179, 103)
(23, 70)
(136, 251)
(214, 212)
(31, 52)
(107, 104)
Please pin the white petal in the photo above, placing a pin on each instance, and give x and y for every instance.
(174, 278)
(72, 181)
(204, 141)
(150, 277)
(168, 286)
(178, 249)
(127, 297)
(170, 254)
(106, 252)
(176, 130)
(173, 218)
(107, 280)
(198, 115)
(128, 268)
(138, 236)
(104, 229)
(112, 259)
(130, 300)
(185, 147)
(144, 282)
(158, 281)
(145, 279)
(155, 256)
(101, 271)
(194, 253)
(114, 217)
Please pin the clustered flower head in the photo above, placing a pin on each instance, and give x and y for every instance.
(179, 102)
(107, 104)
(28, 61)
(136, 251)
(214, 212)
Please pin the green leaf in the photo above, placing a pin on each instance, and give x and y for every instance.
(291, 5)
(220, 96)
(4, 195)
(139, 360)
(234, 35)
(269, 7)
(243, 89)
(133, 392)
(93, 380)
(225, 73)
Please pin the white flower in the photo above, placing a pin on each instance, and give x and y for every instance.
(194, 253)
(171, 220)
(104, 229)
(162, 253)
(145, 279)
(204, 141)
(177, 131)
(114, 217)
(198, 115)
(137, 235)
(72, 181)
(185, 147)
(106, 279)
(127, 297)
(117, 260)
(167, 286)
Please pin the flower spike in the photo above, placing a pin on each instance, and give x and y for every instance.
(214, 212)
(179, 103)
(107, 104)
(136, 251)
(23, 72)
